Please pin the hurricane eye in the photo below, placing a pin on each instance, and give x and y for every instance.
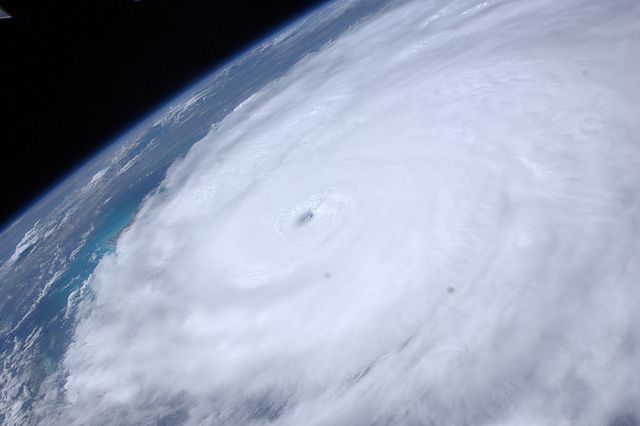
(305, 217)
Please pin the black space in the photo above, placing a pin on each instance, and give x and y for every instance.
(74, 75)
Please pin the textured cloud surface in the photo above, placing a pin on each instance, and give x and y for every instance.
(433, 220)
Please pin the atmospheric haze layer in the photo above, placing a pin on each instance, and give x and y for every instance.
(433, 220)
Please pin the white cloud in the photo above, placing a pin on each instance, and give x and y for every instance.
(432, 221)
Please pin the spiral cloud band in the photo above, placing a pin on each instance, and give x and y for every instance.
(433, 220)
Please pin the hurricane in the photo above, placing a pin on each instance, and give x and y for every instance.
(434, 219)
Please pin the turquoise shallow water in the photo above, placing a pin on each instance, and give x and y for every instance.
(57, 328)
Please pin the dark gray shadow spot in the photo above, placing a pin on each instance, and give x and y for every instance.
(363, 372)
(404, 344)
(451, 290)
(327, 275)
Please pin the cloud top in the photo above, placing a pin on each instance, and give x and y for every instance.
(433, 220)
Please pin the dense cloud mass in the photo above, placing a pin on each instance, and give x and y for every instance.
(433, 220)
